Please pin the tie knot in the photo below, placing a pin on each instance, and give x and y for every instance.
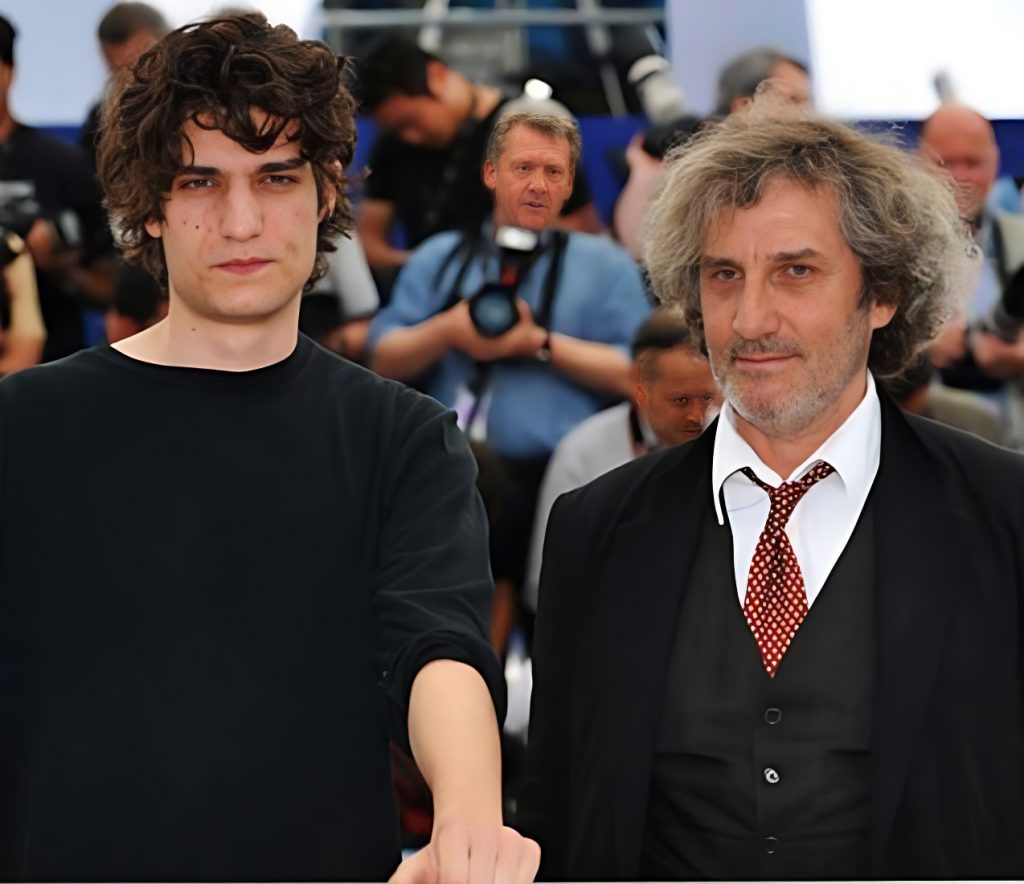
(785, 498)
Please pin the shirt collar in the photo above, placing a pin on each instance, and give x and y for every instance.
(853, 450)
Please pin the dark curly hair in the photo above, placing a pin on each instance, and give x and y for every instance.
(216, 73)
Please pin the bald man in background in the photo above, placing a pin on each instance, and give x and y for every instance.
(970, 355)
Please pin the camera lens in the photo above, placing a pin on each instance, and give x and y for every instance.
(493, 311)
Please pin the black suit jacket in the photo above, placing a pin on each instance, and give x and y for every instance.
(948, 728)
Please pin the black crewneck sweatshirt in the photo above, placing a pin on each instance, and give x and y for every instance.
(216, 589)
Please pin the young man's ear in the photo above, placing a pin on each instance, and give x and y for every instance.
(154, 228)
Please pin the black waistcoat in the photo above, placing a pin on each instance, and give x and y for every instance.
(757, 777)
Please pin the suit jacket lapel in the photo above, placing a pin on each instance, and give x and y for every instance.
(646, 572)
(922, 559)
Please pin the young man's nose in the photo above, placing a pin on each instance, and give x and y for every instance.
(241, 215)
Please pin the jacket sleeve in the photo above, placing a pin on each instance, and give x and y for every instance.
(544, 806)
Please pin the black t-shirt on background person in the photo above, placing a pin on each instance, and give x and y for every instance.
(35, 167)
(436, 190)
(211, 618)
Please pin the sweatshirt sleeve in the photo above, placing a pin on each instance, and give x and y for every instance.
(433, 588)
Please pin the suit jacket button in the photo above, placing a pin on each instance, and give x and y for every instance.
(773, 715)
(771, 775)
(771, 844)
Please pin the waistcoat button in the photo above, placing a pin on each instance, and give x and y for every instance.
(771, 775)
(773, 715)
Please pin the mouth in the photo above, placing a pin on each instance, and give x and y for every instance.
(763, 361)
(535, 206)
(244, 266)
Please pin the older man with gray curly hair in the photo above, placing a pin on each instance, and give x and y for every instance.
(818, 673)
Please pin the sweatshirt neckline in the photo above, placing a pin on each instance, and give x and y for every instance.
(208, 378)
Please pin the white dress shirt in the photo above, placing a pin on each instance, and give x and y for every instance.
(824, 519)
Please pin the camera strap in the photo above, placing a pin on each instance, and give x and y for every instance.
(547, 301)
(468, 247)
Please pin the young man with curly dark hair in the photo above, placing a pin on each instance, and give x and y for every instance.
(201, 670)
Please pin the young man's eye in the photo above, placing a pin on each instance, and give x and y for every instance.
(280, 180)
(196, 184)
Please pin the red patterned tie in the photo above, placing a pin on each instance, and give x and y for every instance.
(776, 601)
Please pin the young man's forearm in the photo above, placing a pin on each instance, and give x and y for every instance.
(453, 732)
(454, 736)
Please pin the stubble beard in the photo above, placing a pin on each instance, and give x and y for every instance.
(782, 413)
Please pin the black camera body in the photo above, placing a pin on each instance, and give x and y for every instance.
(19, 210)
(493, 308)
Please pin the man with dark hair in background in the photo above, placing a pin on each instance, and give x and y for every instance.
(738, 80)
(425, 164)
(200, 673)
(49, 196)
(125, 32)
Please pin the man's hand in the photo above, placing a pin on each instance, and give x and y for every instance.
(524, 339)
(472, 854)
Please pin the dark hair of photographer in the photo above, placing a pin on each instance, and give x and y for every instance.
(7, 35)
(393, 67)
(739, 79)
(124, 20)
(219, 74)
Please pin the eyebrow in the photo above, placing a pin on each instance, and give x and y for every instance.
(265, 169)
(776, 258)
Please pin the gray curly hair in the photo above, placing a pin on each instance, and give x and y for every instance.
(898, 216)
